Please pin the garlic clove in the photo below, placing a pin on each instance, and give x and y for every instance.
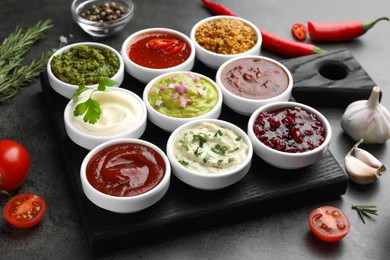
(369, 159)
(359, 172)
(363, 167)
(367, 119)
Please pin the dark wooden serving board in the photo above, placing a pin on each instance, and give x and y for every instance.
(330, 79)
(184, 208)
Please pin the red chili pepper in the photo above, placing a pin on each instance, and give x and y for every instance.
(160, 43)
(299, 31)
(217, 9)
(270, 41)
(342, 31)
(286, 47)
(174, 49)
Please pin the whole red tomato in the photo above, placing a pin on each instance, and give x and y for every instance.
(14, 165)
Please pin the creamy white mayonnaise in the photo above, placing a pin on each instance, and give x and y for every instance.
(210, 148)
(121, 111)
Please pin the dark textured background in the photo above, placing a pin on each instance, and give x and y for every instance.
(273, 234)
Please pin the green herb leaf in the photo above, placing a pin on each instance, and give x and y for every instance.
(13, 73)
(184, 143)
(77, 93)
(91, 110)
(106, 82)
(206, 158)
(365, 211)
(183, 162)
(197, 152)
(238, 138)
(234, 150)
(231, 159)
(201, 138)
(219, 132)
(219, 149)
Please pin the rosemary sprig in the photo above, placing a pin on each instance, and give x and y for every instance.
(13, 74)
(365, 211)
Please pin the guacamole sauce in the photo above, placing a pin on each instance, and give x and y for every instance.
(183, 95)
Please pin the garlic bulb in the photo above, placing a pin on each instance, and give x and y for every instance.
(367, 119)
(362, 167)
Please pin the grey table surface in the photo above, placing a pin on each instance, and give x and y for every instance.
(277, 234)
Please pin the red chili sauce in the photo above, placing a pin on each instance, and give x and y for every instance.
(254, 78)
(159, 50)
(292, 130)
(125, 170)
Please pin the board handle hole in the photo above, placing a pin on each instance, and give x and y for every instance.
(333, 71)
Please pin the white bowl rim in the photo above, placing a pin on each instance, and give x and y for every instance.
(141, 122)
(93, 44)
(248, 100)
(180, 119)
(219, 122)
(159, 187)
(217, 17)
(124, 49)
(281, 104)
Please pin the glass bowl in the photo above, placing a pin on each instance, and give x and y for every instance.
(107, 26)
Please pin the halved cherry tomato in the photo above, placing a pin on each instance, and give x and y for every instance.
(14, 165)
(299, 31)
(24, 210)
(329, 223)
(174, 49)
(160, 43)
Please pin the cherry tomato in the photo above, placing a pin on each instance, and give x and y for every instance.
(14, 165)
(160, 43)
(174, 49)
(329, 223)
(24, 210)
(299, 31)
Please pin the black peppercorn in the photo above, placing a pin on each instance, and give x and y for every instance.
(109, 11)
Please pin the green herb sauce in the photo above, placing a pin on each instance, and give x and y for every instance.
(84, 65)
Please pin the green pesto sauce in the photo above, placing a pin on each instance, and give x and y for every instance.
(84, 65)
(183, 95)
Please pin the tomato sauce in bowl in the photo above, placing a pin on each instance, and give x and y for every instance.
(159, 50)
(125, 169)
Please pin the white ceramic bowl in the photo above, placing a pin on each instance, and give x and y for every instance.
(101, 28)
(128, 204)
(170, 123)
(213, 59)
(145, 74)
(286, 160)
(66, 89)
(244, 105)
(124, 126)
(206, 180)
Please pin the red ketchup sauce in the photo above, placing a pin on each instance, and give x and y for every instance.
(125, 170)
(254, 78)
(159, 50)
(292, 130)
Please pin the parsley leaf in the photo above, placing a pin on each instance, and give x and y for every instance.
(106, 82)
(92, 111)
(91, 108)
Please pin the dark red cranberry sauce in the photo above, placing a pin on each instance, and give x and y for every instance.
(292, 130)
